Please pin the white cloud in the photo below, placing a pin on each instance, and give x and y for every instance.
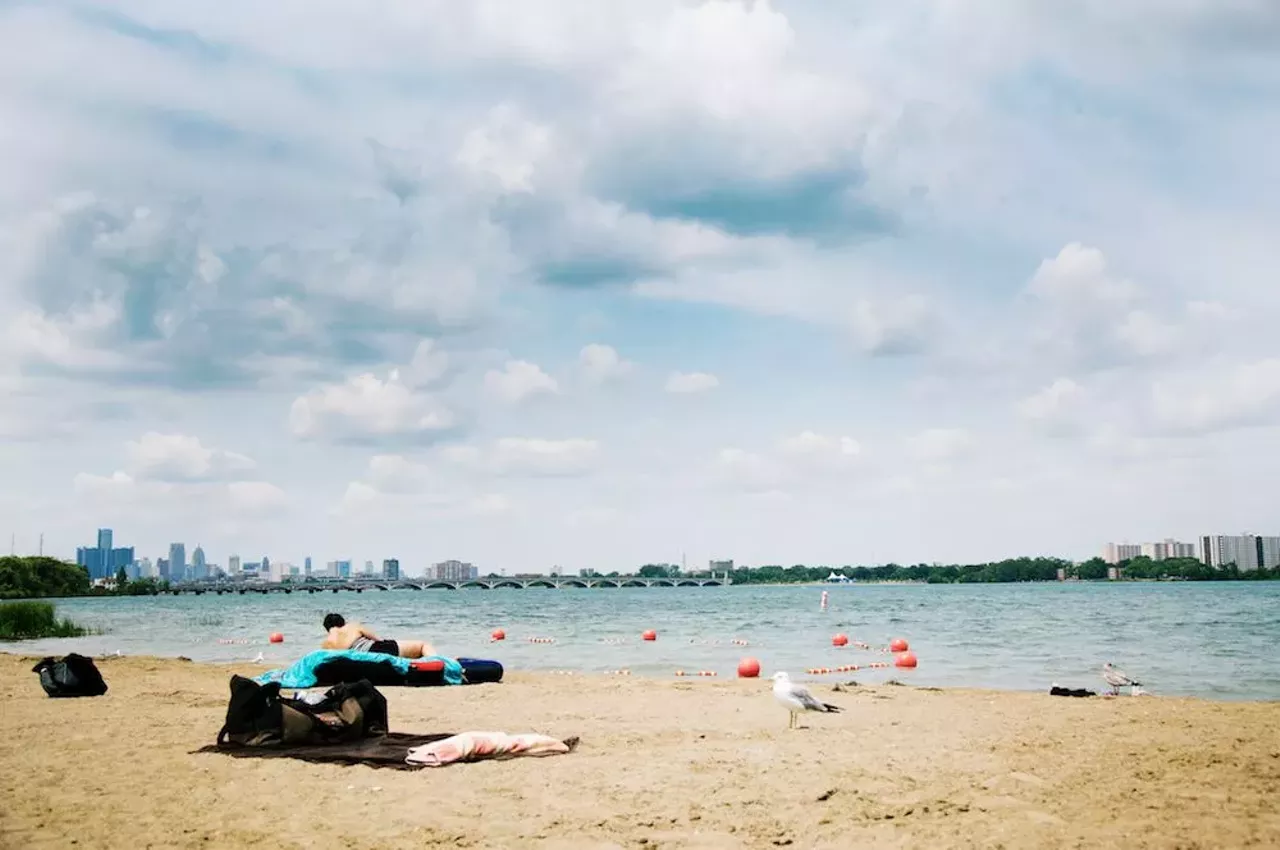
(519, 380)
(529, 456)
(808, 444)
(256, 498)
(601, 363)
(1054, 407)
(1078, 279)
(178, 457)
(1208, 400)
(900, 326)
(366, 406)
(940, 444)
(688, 383)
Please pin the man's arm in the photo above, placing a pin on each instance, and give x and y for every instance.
(366, 632)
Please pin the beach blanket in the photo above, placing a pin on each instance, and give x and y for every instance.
(389, 750)
(303, 673)
(475, 746)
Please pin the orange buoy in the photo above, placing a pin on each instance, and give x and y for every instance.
(905, 659)
(841, 639)
(650, 634)
(748, 668)
(276, 637)
(498, 634)
(898, 645)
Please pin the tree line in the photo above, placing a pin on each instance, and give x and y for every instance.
(42, 577)
(1006, 571)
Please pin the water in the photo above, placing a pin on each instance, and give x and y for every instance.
(1212, 640)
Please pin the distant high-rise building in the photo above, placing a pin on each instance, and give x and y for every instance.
(306, 568)
(368, 568)
(162, 568)
(233, 565)
(1114, 553)
(1269, 552)
(454, 571)
(1168, 548)
(199, 567)
(1244, 551)
(265, 568)
(344, 568)
(104, 560)
(177, 562)
(391, 569)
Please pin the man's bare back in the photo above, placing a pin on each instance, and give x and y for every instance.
(344, 635)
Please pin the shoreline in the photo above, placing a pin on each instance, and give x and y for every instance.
(683, 763)
(814, 681)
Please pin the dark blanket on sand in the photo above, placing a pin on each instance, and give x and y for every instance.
(1056, 691)
(382, 751)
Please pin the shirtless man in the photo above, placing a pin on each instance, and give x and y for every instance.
(344, 635)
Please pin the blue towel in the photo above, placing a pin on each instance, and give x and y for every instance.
(302, 673)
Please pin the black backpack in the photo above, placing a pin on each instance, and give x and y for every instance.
(258, 716)
(73, 676)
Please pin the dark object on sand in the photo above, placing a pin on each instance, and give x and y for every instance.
(421, 673)
(72, 676)
(258, 716)
(390, 750)
(1056, 691)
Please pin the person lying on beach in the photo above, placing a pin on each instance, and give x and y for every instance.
(344, 635)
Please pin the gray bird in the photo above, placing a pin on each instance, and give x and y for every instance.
(1117, 679)
(797, 698)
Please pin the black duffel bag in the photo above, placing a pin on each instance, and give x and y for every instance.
(259, 716)
(72, 676)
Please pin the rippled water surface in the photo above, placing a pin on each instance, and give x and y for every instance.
(1219, 640)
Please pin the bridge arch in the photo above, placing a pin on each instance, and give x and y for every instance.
(573, 582)
(440, 585)
(507, 583)
(634, 582)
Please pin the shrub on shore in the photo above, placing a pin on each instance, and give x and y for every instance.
(27, 620)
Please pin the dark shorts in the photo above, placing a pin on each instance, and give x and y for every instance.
(387, 647)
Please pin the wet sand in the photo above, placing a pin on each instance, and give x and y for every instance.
(679, 763)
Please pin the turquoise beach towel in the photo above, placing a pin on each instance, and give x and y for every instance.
(302, 673)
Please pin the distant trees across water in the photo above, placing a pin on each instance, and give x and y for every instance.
(37, 577)
(1010, 570)
(40, 577)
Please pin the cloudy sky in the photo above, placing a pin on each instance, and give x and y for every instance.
(566, 282)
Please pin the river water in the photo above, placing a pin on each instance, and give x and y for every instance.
(1215, 640)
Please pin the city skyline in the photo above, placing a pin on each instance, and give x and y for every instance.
(1246, 551)
(904, 282)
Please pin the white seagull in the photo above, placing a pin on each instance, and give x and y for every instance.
(797, 698)
(1117, 679)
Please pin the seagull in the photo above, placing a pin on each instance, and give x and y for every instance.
(797, 698)
(1117, 679)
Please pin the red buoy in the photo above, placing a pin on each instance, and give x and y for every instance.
(498, 634)
(748, 668)
(905, 659)
(276, 637)
(650, 634)
(841, 639)
(898, 645)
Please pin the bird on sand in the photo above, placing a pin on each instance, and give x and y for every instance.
(1117, 679)
(796, 698)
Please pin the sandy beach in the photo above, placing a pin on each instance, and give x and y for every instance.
(679, 763)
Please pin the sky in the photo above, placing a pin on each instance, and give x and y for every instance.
(563, 283)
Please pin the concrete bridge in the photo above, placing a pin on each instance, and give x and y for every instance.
(496, 583)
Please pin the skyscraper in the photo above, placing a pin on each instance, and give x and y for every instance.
(104, 540)
(199, 569)
(177, 562)
(306, 567)
(391, 569)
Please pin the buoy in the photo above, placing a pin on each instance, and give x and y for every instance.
(650, 634)
(276, 637)
(748, 668)
(898, 645)
(840, 640)
(498, 634)
(824, 600)
(905, 659)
